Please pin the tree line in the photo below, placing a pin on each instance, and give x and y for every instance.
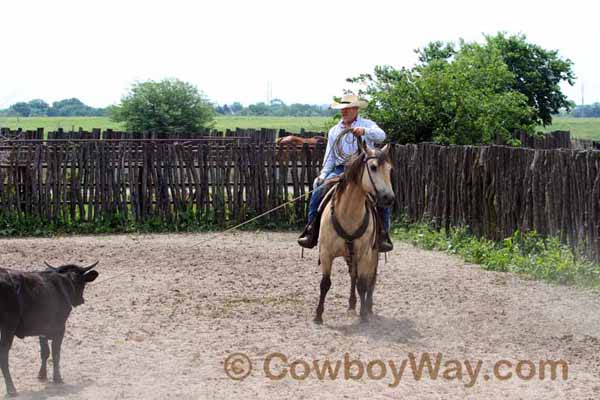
(64, 108)
(76, 108)
(586, 111)
(276, 108)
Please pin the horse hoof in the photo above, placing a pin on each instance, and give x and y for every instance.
(318, 320)
(351, 312)
(58, 381)
(42, 377)
(12, 393)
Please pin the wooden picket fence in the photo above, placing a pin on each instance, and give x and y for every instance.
(494, 190)
(70, 182)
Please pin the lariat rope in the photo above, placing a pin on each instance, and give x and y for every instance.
(337, 148)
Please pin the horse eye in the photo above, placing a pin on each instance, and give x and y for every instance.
(373, 167)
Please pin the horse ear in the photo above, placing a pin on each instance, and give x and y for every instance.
(387, 151)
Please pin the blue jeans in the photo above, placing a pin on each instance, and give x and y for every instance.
(317, 196)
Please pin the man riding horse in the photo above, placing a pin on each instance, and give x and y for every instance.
(333, 165)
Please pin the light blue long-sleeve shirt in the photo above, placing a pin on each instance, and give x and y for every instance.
(373, 134)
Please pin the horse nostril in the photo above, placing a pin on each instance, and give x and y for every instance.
(387, 199)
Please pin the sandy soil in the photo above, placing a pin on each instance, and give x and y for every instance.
(185, 303)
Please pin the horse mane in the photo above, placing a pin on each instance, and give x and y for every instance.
(354, 168)
(352, 172)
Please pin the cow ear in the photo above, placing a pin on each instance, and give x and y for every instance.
(90, 276)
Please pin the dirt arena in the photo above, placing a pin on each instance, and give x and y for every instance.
(165, 329)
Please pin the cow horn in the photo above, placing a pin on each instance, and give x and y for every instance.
(87, 269)
(50, 266)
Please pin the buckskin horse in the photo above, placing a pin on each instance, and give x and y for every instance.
(350, 225)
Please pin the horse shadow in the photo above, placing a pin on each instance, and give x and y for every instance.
(381, 328)
(53, 391)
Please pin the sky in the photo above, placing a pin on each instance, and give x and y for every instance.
(234, 50)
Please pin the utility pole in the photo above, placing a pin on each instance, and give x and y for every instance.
(269, 92)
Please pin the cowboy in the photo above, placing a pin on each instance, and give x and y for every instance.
(333, 165)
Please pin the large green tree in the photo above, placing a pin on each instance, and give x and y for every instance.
(38, 107)
(538, 74)
(21, 109)
(166, 107)
(458, 100)
(468, 93)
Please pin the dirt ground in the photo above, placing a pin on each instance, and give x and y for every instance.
(186, 303)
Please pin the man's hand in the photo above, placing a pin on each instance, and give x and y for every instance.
(317, 182)
(358, 132)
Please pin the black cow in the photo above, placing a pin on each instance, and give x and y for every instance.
(38, 304)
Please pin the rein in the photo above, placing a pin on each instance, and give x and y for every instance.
(371, 178)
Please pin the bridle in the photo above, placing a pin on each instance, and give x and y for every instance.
(363, 149)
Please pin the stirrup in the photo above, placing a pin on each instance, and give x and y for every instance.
(308, 238)
(385, 244)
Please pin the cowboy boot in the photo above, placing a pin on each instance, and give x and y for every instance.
(310, 235)
(385, 243)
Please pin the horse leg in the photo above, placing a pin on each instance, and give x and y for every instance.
(352, 300)
(370, 290)
(362, 286)
(325, 285)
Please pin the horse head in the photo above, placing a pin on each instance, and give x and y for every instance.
(371, 170)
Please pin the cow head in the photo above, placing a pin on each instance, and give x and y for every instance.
(79, 277)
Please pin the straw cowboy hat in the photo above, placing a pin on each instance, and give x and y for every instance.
(347, 101)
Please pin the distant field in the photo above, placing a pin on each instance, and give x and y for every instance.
(291, 124)
(583, 128)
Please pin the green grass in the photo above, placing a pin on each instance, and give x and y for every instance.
(291, 124)
(525, 254)
(581, 128)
